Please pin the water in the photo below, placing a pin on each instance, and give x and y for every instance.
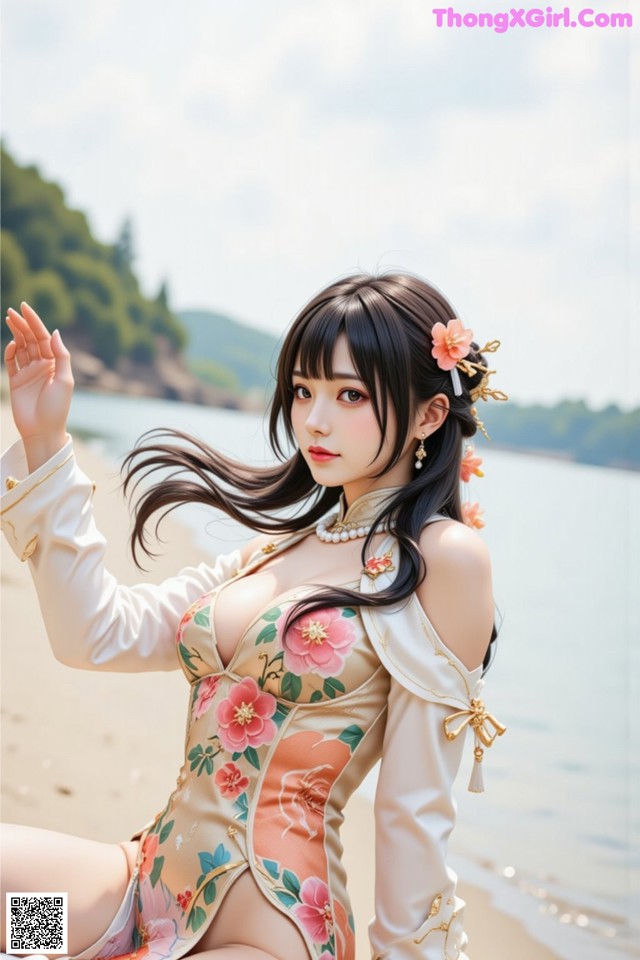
(556, 835)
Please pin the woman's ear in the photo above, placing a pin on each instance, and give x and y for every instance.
(431, 415)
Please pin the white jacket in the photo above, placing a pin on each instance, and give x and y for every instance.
(47, 517)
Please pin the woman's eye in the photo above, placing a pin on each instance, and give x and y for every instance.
(352, 396)
(300, 392)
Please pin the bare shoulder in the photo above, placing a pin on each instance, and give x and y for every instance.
(457, 593)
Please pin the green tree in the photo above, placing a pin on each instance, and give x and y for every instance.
(15, 271)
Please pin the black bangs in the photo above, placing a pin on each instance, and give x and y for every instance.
(378, 348)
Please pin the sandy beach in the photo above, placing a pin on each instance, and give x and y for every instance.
(81, 753)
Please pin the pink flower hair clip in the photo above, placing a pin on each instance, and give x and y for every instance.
(470, 465)
(472, 515)
(451, 344)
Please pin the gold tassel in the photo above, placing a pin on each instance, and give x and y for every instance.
(485, 727)
(476, 780)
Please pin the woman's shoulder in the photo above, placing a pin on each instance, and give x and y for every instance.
(457, 593)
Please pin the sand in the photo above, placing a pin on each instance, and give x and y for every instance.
(91, 754)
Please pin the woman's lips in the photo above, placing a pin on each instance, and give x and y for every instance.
(320, 455)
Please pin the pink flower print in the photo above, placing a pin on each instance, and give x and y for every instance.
(244, 717)
(450, 343)
(470, 466)
(149, 851)
(314, 913)
(230, 780)
(317, 642)
(206, 692)
(190, 613)
(471, 515)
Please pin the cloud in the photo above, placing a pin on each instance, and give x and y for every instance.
(293, 144)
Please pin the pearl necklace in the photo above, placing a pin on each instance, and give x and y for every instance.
(354, 521)
(332, 530)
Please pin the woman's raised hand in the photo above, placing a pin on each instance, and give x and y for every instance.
(40, 384)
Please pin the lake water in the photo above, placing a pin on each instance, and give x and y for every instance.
(555, 837)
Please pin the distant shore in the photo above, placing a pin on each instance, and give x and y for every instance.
(174, 382)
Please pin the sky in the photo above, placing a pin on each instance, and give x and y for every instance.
(263, 150)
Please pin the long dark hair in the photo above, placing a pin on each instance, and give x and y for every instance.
(387, 320)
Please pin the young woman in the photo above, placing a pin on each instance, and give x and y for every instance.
(324, 644)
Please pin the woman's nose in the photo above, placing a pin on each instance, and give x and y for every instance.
(317, 419)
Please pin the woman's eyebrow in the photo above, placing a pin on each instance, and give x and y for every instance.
(336, 375)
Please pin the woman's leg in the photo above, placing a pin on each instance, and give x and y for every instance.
(248, 927)
(94, 875)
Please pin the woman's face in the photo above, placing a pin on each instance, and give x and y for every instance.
(337, 432)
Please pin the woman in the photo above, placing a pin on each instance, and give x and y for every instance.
(322, 645)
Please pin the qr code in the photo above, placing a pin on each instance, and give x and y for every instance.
(37, 923)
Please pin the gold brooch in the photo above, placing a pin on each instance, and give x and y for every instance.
(377, 565)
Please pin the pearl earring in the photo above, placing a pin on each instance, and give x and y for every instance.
(421, 453)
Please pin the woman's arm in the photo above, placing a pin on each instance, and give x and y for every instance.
(47, 516)
(92, 621)
(418, 914)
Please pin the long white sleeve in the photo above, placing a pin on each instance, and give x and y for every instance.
(91, 621)
(418, 915)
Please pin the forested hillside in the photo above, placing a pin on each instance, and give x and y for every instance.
(606, 437)
(86, 288)
(227, 353)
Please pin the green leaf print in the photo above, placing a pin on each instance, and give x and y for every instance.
(272, 614)
(352, 736)
(187, 657)
(242, 804)
(202, 618)
(154, 876)
(331, 686)
(196, 919)
(267, 634)
(348, 612)
(272, 867)
(202, 759)
(291, 686)
(292, 883)
(166, 830)
(315, 696)
(252, 756)
(351, 922)
(286, 898)
(282, 712)
(209, 892)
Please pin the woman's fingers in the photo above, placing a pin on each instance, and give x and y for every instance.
(10, 358)
(62, 358)
(38, 329)
(16, 324)
(34, 336)
(22, 354)
(21, 334)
